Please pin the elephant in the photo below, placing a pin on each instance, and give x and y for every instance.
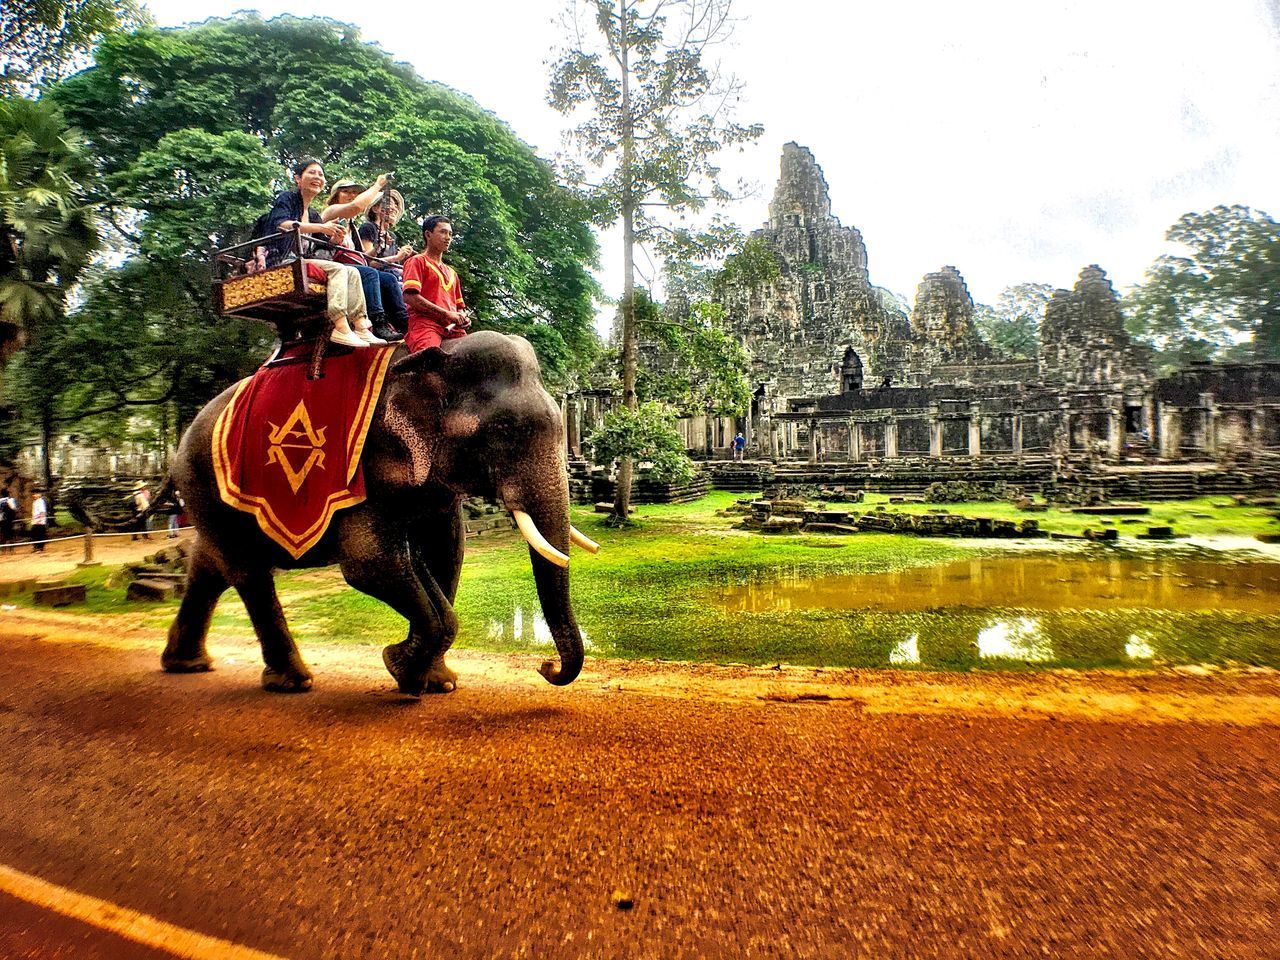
(472, 419)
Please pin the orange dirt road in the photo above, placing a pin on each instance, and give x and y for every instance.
(648, 810)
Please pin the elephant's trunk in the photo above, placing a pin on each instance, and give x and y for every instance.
(548, 514)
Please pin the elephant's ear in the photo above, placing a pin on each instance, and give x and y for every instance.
(414, 402)
(430, 360)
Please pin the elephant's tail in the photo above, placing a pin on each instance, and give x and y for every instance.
(79, 509)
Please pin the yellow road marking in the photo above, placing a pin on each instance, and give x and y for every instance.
(130, 924)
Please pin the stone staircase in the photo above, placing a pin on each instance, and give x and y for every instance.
(160, 576)
(644, 489)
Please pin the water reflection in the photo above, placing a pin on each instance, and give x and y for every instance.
(1032, 610)
(528, 629)
(1018, 639)
(906, 652)
(1138, 647)
(1033, 582)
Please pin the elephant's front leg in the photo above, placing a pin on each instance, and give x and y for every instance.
(377, 561)
(437, 543)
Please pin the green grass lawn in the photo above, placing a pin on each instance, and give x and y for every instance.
(1203, 517)
(651, 593)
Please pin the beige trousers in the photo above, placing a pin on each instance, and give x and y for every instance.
(346, 294)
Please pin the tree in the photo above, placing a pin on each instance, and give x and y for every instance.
(191, 130)
(652, 119)
(647, 433)
(1218, 298)
(1012, 326)
(311, 87)
(44, 40)
(700, 367)
(47, 235)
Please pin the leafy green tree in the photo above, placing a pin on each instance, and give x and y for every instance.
(651, 118)
(648, 433)
(47, 236)
(43, 40)
(693, 362)
(753, 264)
(145, 335)
(193, 128)
(1220, 296)
(1012, 326)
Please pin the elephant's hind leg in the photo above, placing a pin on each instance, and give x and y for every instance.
(185, 651)
(285, 671)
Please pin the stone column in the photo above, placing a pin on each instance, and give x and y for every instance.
(572, 426)
(1210, 424)
(1115, 427)
(855, 441)
(975, 431)
(813, 441)
(935, 435)
(1170, 431)
(1017, 434)
(891, 438)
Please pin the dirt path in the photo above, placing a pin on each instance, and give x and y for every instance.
(649, 810)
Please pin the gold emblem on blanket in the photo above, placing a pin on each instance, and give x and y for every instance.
(296, 434)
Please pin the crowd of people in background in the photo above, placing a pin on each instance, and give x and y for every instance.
(377, 290)
(37, 527)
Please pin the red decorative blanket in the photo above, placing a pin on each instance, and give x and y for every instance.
(287, 449)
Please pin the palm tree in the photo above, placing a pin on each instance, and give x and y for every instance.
(47, 233)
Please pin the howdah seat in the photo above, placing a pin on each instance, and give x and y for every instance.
(289, 295)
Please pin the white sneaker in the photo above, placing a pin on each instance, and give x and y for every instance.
(366, 336)
(342, 335)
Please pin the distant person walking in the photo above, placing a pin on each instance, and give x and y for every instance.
(739, 445)
(141, 501)
(175, 514)
(39, 522)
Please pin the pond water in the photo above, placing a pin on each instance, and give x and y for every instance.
(1035, 582)
(1039, 610)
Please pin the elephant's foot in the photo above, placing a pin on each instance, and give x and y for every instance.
(176, 663)
(411, 678)
(440, 679)
(293, 680)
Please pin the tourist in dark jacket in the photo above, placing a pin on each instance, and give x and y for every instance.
(292, 211)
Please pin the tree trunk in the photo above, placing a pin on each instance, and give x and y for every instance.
(1267, 339)
(622, 495)
(46, 441)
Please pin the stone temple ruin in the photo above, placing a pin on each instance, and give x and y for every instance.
(843, 379)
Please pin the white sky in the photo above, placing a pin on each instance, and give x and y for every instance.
(1019, 141)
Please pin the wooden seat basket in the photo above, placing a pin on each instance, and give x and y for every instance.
(281, 294)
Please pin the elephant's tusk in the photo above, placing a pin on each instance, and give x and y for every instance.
(529, 530)
(582, 540)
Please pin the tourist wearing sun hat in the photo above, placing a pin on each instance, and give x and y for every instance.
(141, 501)
(383, 295)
